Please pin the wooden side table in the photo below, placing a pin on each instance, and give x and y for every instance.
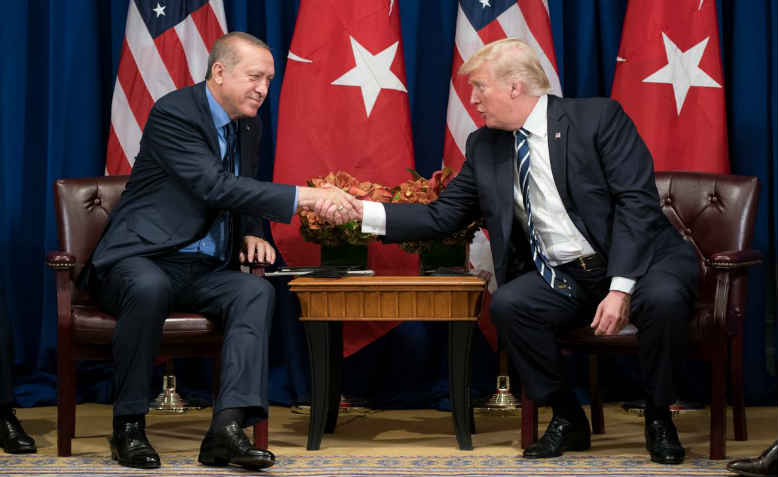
(326, 303)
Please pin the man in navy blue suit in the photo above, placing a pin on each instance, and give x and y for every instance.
(13, 439)
(190, 213)
(566, 189)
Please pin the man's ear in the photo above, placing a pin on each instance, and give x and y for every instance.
(516, 88)
(217, 72)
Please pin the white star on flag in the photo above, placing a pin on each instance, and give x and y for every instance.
(484, 3)
(682, 70)
(159, 10)
(371, 73)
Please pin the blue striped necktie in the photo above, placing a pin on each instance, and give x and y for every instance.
(557, 280)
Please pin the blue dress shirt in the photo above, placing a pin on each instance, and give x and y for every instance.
(216, 242)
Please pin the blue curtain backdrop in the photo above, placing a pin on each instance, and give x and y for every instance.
(57, 76)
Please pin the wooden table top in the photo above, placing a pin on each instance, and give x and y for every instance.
(389, 298)
(469, 282)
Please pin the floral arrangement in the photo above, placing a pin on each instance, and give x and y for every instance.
(415, 190)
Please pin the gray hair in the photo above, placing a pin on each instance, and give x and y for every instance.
(224, 50)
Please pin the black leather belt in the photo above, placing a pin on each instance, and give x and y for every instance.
(586, 263)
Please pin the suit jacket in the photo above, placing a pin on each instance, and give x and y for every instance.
(178, 185)
(604, 174)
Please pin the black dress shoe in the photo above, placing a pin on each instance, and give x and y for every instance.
(13, 438)
(561, 435)
(662, 442)
(765, 464)
(229, 445)
(131, 448)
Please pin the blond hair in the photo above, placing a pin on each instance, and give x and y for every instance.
(511, 58)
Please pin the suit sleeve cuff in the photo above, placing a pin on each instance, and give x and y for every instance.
(373, 218)
(623, 284)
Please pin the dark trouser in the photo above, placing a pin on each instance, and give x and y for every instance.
(141, 292)
(6, 355)
(529, 315)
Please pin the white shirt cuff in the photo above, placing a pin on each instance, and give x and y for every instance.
(373, 218)
(623, 284)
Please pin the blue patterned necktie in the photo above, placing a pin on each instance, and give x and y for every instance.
(557, 280)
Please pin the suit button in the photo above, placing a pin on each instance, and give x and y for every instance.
(96, 201)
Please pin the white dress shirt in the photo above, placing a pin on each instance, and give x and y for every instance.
(559, 239)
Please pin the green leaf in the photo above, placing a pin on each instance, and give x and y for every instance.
(414, 174)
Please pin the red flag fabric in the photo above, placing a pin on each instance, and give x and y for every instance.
(479, 23)
(669, 80)
(344, 106)
(165, 47)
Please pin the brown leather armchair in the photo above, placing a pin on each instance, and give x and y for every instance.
(83, 331)
(716, 213)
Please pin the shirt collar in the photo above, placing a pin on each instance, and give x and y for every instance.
(219, 115)
(536, 123)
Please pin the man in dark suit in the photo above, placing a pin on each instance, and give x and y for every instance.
(566, 188)
(13, 439)
(191, 210)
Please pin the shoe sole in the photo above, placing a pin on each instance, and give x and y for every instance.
(25, 450)
(221, 461)
(746, 474)
(576, 448)
(673, 461)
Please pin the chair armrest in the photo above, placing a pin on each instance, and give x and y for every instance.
(59, 260)
(734, 259)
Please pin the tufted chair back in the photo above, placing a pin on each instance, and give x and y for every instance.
(716, 213)
(82, 207)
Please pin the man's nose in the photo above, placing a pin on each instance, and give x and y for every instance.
(473, 97)
(262, 88)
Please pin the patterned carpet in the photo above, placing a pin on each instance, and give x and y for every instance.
(413, 442)
(315, 465)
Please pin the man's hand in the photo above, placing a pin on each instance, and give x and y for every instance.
(330, 211)
(331, 203)
(257, 250)
(612, 313)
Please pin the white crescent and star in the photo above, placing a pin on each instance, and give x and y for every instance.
(682, 70)
(371, 73)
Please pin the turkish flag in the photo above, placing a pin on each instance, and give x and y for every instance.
(344, 106)
(669, 80)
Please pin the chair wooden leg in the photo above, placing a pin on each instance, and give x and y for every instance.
(736, 387)
(529, 421)
(718, 409)
(260, 434)
(598, 419)
(66, 405)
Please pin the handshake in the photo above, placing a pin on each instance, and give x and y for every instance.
(330, 203)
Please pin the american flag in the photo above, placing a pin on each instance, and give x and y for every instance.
(166, 45)
(480, 22)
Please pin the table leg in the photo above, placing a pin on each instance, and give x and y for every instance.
(460, 335)
(317, 334)
(336, 375)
